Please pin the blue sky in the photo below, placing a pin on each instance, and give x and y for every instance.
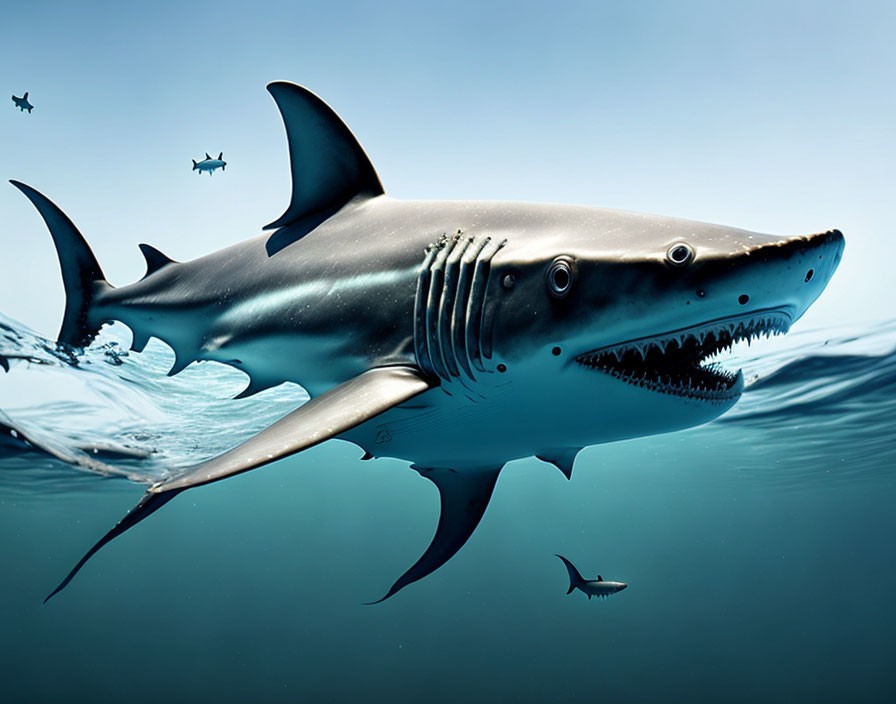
(777, 117)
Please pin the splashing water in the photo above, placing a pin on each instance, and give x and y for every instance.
(69, 418)
(106, 412)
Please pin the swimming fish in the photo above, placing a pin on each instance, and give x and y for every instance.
(209, 164)
(22, 103)
(590, 587)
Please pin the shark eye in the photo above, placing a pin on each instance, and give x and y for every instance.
(560, 277)
(680, 254)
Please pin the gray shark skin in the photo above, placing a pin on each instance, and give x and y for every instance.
(590, 587)
(22, 103)
(209, 164)
(454, 335)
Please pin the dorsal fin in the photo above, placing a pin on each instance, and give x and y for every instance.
(328, 166)
(207, 156)
(25, 97)
(220, 156)
(155, 259)
(599, 578)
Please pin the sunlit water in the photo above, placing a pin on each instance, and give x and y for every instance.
(758, 548)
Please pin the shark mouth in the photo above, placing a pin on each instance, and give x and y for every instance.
(678, 363)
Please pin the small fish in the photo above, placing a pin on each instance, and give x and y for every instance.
(208, 164)
(22, 103)
(591, 587)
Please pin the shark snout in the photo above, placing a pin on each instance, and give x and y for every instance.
(826, 245)
(801, 265)
(784, 275)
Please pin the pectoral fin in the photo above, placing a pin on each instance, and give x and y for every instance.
(323, 417)
(464, 498)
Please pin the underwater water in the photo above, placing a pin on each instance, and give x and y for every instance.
(758, 549)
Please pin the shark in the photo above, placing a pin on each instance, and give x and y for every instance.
(22, 103)
(590, 587)
(209, 164)
(453, 335)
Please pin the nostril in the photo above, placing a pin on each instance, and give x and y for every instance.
(743, 299)
(810, 274)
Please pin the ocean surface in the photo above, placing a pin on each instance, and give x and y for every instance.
(758, 549)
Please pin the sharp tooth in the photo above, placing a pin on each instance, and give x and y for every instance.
(617, 353)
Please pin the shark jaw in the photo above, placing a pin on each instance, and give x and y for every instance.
(678, 363)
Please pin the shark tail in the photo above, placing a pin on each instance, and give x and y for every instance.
(81, 273)
(575, 579)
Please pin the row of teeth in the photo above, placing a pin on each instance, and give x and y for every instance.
(666, 384)
(708, 382)
(725, 336)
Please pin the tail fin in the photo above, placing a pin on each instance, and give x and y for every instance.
(149, 504)
(81, 274)
(575, 579)
(195, 165)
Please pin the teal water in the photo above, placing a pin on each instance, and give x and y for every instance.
(758, 549)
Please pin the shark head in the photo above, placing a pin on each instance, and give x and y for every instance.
(619, 317)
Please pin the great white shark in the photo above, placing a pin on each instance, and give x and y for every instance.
(454, 335)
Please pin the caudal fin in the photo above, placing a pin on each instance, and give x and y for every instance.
(575, 579)
(81, 274)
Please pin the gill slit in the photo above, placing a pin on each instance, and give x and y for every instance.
(449, 338)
